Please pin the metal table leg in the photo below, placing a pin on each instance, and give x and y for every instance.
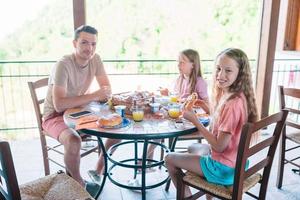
(172, 147)
(101, 145)
(144, 169)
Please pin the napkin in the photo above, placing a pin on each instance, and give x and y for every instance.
(87, 122)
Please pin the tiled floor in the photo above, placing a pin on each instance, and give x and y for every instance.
(29, 165)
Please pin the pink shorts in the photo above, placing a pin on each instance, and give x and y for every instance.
(54, 126)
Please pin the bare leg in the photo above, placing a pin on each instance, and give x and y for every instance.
(150, 151)
(177, 161)
(151, 148)
(72, 144)
(100, 162)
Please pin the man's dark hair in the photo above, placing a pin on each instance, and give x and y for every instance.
(85, 28)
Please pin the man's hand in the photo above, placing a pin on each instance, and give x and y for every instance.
(102, 94)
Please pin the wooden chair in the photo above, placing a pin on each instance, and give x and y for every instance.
(57, 186)
(56, 147)
(289, 98)
(244, 179)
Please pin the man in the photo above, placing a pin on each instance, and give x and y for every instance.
(69, 84)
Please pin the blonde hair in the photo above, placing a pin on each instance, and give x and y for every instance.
(242, 84)
(194, 58)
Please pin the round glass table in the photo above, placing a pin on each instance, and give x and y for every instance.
(150, 130)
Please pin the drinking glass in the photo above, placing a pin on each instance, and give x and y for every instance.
(174, 97)
(174, 110)
(138, 113)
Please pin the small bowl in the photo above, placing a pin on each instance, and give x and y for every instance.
(154, 107)
(120, 109)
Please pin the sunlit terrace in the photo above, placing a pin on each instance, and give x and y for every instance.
(277, 63)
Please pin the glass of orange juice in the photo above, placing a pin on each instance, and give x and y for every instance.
(138, 114)
(174, 110)
(174, 97)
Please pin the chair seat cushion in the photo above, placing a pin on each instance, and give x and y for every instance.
(220, 190)
(56, 186)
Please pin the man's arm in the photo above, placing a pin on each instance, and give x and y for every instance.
(61, 102)
(103, 80)
(104, 91)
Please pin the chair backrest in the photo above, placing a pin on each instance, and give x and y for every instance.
(246, 150)
(9, 188)
(37, 103)
(289, 99)
(33, 86)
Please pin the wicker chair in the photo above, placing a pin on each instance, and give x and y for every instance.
(244, 179)
(289, 98)
(52, 145)
(57, 186)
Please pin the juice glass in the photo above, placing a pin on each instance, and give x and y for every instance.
(174, 110)
(174, 97)
(138, 114)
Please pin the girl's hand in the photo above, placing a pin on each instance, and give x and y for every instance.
(189, 103)
(199, 103)
(164, 91)
(202, 104)
(191, 116)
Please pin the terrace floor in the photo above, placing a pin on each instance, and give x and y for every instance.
(29, 166)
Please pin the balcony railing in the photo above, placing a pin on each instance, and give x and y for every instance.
(17, 114)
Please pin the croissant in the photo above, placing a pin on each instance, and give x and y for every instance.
(190, 101)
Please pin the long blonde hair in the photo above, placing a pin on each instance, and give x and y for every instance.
(194, 58)
(243, 83)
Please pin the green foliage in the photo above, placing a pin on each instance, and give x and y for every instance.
(135, 29)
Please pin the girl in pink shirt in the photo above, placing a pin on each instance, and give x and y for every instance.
(233, 106)
(190, 79)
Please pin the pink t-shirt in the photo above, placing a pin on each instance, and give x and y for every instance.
(184, 90)
(232, 118)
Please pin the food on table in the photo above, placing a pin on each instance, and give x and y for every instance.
(110, 120)
(142, 98)
(189, 103)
